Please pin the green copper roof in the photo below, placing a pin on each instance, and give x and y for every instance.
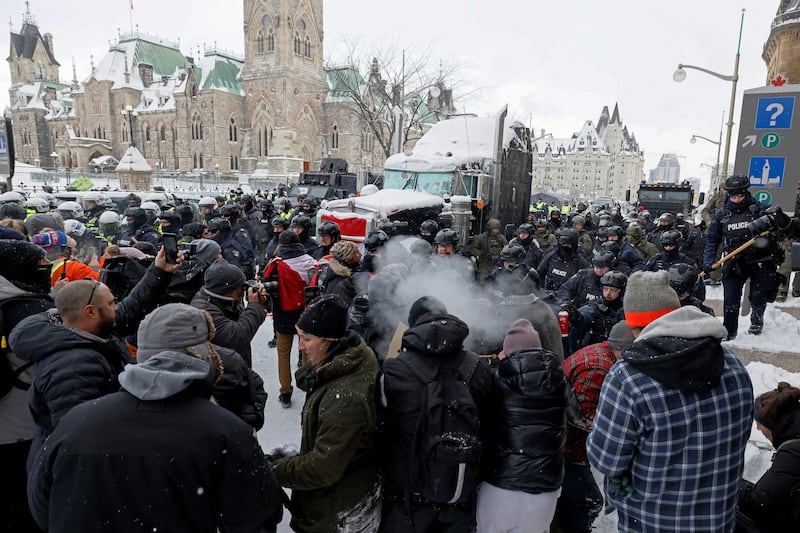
(224, 76)
(164, 59)
(340, 79)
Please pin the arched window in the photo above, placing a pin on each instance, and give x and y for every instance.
(302, 25)
(147, 132)
(195, 161)
(233, 131)
(270, 41)
(201, 161)
(297, 44)
(335, 137)
(307, 48)
(260, 42)
(366, 139)
(197, 128)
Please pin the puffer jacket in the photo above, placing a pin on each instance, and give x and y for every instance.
(335, 479)
(529, 421)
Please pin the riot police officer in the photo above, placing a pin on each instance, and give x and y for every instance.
(758, 262)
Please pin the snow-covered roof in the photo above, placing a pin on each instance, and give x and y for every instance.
(133, 161)
(386, 202)
(454, 143)
(221, 71)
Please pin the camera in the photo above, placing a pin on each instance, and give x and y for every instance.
(189, 250)
(271, 287)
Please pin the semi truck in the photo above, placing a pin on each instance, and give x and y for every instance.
(472, 168)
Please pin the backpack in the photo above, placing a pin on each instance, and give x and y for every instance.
(9, 377)
(446, 447)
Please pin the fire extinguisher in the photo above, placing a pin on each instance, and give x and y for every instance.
(563, 323)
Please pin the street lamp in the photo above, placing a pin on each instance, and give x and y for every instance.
(680, 75)
(129, 113)
(216, 174)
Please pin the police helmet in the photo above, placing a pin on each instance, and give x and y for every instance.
(683, 278)
(446, 236)
(155, 197)
(231, 211)
(665, 217)
(171, 216)
(611, 246)
(138, 215)
(387, 227)
(39, 205)
(602, 232)
(375, 240)
(604, 222)
(604, 259)
(331, 229)
(108, 217)
(207, 201)
(735, 184)
(51, 200)
(525, 228)
(512, 252)
(301, 221)
(91, 196)
(11, 197)
(672, 237)
(265, 204)
(152, 207)
(219, 224)
(616, 230)
(185, 212)
(279, 222)
(69, 210)
(429, 226)
(74, 228)
(614, 278)
(567, 236)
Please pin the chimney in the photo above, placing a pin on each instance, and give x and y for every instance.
(146, 74)
(48, 41)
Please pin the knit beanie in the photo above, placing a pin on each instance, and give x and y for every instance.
(423, 306)
(19, 259)
(50, 239)
(325, 317)
(648, 296)
(172, 327)
(206, 249)
(521, 336)
(344, 251)
(39, 221)
(621, 336)
(222, 277)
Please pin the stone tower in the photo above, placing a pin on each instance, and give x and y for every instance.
(782, 49)
(31, 57)
(284, 84)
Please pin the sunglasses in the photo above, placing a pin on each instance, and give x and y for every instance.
(94, 287)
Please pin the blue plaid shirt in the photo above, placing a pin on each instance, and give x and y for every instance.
(684, 452)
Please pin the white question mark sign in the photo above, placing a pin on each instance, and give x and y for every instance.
(778, 110)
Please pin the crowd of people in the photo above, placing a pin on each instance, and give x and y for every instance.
(449, 386)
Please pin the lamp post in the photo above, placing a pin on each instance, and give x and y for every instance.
(129, 113)
(680, 75)
(715, 172)
(216, 174)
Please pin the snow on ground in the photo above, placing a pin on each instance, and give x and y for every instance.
(282, 426)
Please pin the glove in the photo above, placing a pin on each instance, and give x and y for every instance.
(283, 451)
(774, 219)
(707, 270)
(620, 486)
(574, 315)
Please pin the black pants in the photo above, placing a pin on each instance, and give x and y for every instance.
(763, 289)
(425, 518)
(14, 514)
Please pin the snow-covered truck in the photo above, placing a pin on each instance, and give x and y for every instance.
(472, 168)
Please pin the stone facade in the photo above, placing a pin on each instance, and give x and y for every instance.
(269, 113)
(782, 49)
(601, 160)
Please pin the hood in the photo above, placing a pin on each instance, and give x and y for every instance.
(436, 334)
(350, 354)
(38, 336)
(9, 290)
(338, 268)
(787, 427)
(163, 375)
(290, 251)
(692, 362)
(744, 204)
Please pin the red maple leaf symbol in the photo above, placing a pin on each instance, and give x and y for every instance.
(778, 81)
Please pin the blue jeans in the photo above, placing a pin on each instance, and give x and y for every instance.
(581, 500)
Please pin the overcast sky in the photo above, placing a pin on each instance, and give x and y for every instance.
(555, 63)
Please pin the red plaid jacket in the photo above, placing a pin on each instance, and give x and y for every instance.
(586, 369)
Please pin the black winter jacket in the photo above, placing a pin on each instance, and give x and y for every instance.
(240, 390)
(177, 464)
(435, 340)
(529, 423)
(235, 326)
(774, 501)
(73, 366)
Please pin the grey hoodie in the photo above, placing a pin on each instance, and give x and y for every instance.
(163, 375)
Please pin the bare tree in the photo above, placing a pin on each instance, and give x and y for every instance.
(379, 83)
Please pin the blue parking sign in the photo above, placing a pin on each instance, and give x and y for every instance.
(3, 144)
(775, 112)
(766, 171)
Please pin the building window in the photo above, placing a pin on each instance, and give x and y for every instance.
(307, 48)
(201, 161)
(366, 139)
(260, 42)
(265, 20)
(163, 132)
(270, 41)
(297, 44)
(147, 133)
(302, 25)
(233, 132)
(335, 138)
(195, 161)
(197, 128)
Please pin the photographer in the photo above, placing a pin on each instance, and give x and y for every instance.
(289, 274)
(221, 295)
